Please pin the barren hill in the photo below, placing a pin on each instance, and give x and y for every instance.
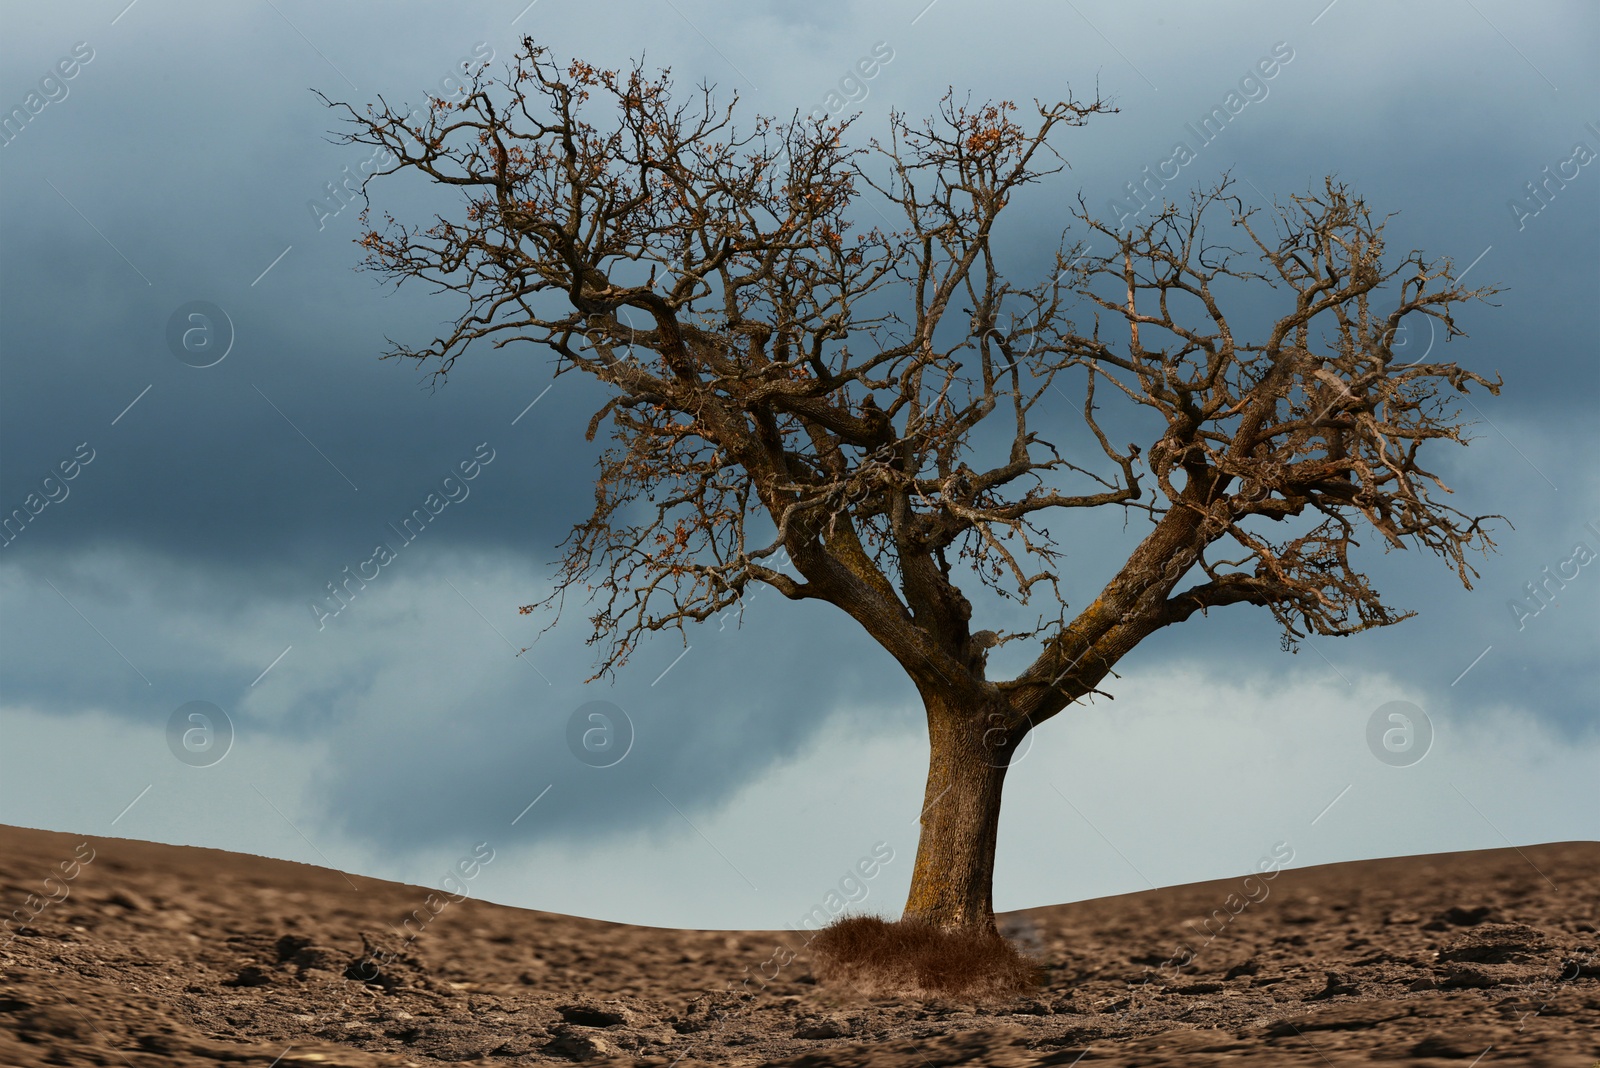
(143, 955)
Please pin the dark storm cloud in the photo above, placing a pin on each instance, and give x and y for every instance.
(738, 701)
(167, 175)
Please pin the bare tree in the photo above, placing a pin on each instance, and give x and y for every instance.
(767, 357)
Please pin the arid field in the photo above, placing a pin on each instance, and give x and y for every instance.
(147, 955)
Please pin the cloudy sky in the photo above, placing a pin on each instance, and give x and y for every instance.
(184, 167)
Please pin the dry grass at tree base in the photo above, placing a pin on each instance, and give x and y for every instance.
(910, 958)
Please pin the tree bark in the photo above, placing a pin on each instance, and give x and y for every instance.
(952, 882)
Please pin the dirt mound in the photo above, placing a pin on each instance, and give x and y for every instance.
(143, 955)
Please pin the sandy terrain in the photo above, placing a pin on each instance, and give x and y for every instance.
(154, 955)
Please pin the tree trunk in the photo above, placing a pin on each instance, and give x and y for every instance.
(952, 885)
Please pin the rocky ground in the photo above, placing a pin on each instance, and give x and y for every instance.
(149, 955)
